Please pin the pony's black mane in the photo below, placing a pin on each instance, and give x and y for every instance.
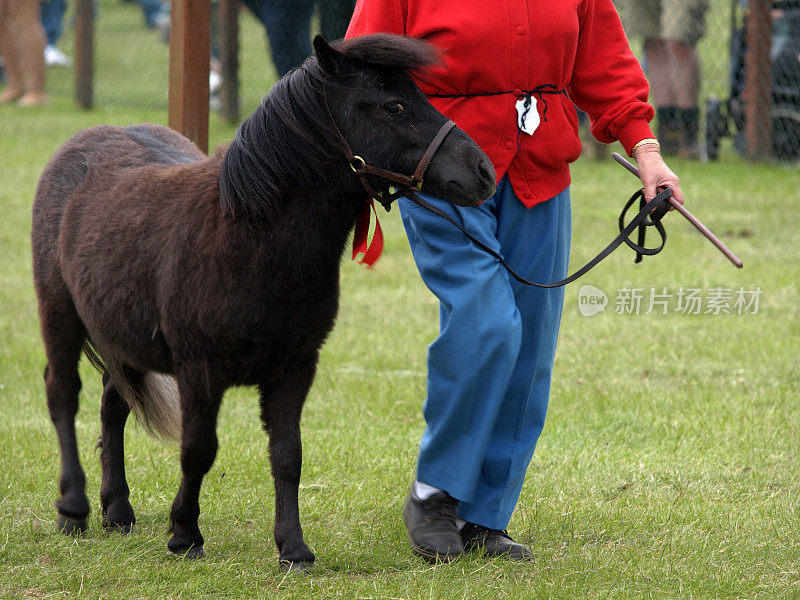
(387, 50)
(289, 139)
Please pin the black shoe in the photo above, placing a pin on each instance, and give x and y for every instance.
(669, 130)
(493, 543)
(690, 127)
(432, 529)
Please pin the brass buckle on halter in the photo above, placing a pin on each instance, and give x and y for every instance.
(357, 160)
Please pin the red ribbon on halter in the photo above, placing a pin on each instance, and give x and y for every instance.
(370, 252)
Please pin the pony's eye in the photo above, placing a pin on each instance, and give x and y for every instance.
(394, 108)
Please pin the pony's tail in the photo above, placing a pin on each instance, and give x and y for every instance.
(153, 397)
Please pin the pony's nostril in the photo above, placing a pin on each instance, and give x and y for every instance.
(486, 169)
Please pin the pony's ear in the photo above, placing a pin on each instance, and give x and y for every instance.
(332, 61)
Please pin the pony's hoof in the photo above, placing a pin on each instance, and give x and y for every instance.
(118, 516)
(301, 568)
(192, 553)
(69, 526)
(111, 527)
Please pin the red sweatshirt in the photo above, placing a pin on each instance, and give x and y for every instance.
(515, 46)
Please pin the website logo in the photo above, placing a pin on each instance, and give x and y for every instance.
(591, 300)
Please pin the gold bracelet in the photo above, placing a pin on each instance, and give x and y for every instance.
(644, 142)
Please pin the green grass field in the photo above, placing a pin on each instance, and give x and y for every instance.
(668, 467)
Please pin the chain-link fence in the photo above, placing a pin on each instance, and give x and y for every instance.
(725, 74)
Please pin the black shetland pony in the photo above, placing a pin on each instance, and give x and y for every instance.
(180, 274)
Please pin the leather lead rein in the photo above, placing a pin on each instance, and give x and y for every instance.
(650, 214)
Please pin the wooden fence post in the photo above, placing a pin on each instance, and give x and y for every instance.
(84, 53)
(229, 59)
(189, 55)
(758, 80)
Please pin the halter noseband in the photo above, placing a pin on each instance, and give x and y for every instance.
(404, 182)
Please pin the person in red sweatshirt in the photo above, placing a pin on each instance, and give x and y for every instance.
(512, 73)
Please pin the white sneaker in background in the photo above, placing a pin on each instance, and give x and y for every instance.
(162, 24)
(214, 81)
(53, 57)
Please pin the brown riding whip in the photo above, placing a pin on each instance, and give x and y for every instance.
(689, 216)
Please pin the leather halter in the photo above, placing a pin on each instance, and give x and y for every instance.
(405, 183)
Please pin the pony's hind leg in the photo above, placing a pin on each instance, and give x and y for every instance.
(281, 406)
(117, 510)
(63, 335)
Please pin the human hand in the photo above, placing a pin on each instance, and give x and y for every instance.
(655, 174)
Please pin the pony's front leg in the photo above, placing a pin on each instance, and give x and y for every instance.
(200, 401)
(281, 406)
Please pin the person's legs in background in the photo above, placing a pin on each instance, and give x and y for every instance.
(288, 26)
(52, 14)
(156, 13)
(334, 16)
(659, 69)
(674, 70)
(671, 30)
(52, 17)
(683, 23)
(15, 86)
(22, 43)
(287, 23)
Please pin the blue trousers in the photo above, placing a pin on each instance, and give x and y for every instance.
(287, 23)
(52, 15)
(489, 370)
(152, 9)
